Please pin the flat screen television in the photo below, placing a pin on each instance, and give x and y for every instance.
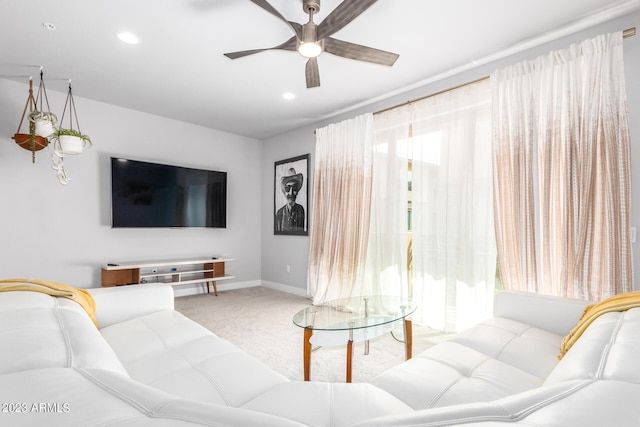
(147, 194)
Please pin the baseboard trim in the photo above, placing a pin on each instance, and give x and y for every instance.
(285, 288)
(201, 288)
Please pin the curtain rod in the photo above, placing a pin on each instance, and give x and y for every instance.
(629, 32)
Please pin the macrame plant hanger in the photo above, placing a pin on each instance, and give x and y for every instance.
(58, 152)
(30, 141)
(72, 111)
(41, 116)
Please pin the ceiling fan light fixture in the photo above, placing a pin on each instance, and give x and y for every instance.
(310, 49)
(308, 45)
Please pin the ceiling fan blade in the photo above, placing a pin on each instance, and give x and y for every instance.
(359, 52)
(290, 44)
(312, 73)
(297, 28)
(339, 17)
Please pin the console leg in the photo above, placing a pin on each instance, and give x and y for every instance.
(215, 288)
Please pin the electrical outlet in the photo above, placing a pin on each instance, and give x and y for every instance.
(288, 268)
(633, 234)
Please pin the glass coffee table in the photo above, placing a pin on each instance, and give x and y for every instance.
(350, 320)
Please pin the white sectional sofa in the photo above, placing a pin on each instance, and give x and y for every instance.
(149, 365)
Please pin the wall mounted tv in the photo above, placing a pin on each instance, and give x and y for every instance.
(156, 195)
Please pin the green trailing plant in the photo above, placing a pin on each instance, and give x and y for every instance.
(70, 132)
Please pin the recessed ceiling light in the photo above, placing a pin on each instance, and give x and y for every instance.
(128, 37)
(49, 26)
(288, 95)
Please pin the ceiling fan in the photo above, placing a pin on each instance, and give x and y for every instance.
(311, 39)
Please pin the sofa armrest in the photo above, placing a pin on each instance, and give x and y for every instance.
(118, 304)
(554, 314)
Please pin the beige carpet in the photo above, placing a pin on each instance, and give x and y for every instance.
(259, 321)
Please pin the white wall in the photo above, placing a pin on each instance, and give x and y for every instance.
(63, 233)
(280, 251)
(59, 233)
(277, 251)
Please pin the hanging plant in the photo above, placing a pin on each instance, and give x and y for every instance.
(67, 140)
(43, 119)
(44, 122)
(58, 166)
(30, 141)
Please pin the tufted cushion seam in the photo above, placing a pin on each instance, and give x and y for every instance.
(509, 416)
(332, 406)
(65, 334)
(127, 399)
(607, 348)
(151, 412)
(513, 338)
(505, 345)
(467, 374)
(442, 392)
(211, 380)
(556, 398)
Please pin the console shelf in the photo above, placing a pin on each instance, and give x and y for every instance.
(173, 272)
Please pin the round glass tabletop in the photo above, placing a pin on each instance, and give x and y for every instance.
(355, 313)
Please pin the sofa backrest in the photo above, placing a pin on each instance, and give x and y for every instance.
(121, 303)
(40, 331)
(553, 314)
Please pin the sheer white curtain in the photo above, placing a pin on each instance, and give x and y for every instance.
(454, 252)
(442, 145)
(573, 102)
(386, 268)
(341, 205)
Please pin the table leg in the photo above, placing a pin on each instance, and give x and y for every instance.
(408, 338)
(349, 359)
(307, 353)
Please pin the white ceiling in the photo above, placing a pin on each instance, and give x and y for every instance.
(179, 71)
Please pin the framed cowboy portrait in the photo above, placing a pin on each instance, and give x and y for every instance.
(291, 196)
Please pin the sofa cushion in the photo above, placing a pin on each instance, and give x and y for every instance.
(496, 358)
(326, 404)
(527, 348)
(49, 332)
(170, 352)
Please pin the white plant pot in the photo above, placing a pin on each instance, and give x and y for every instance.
(70, 144)
(44, 128)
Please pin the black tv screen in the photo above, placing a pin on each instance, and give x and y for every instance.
(156, 195)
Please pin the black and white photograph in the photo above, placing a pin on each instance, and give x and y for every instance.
(291, 193)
